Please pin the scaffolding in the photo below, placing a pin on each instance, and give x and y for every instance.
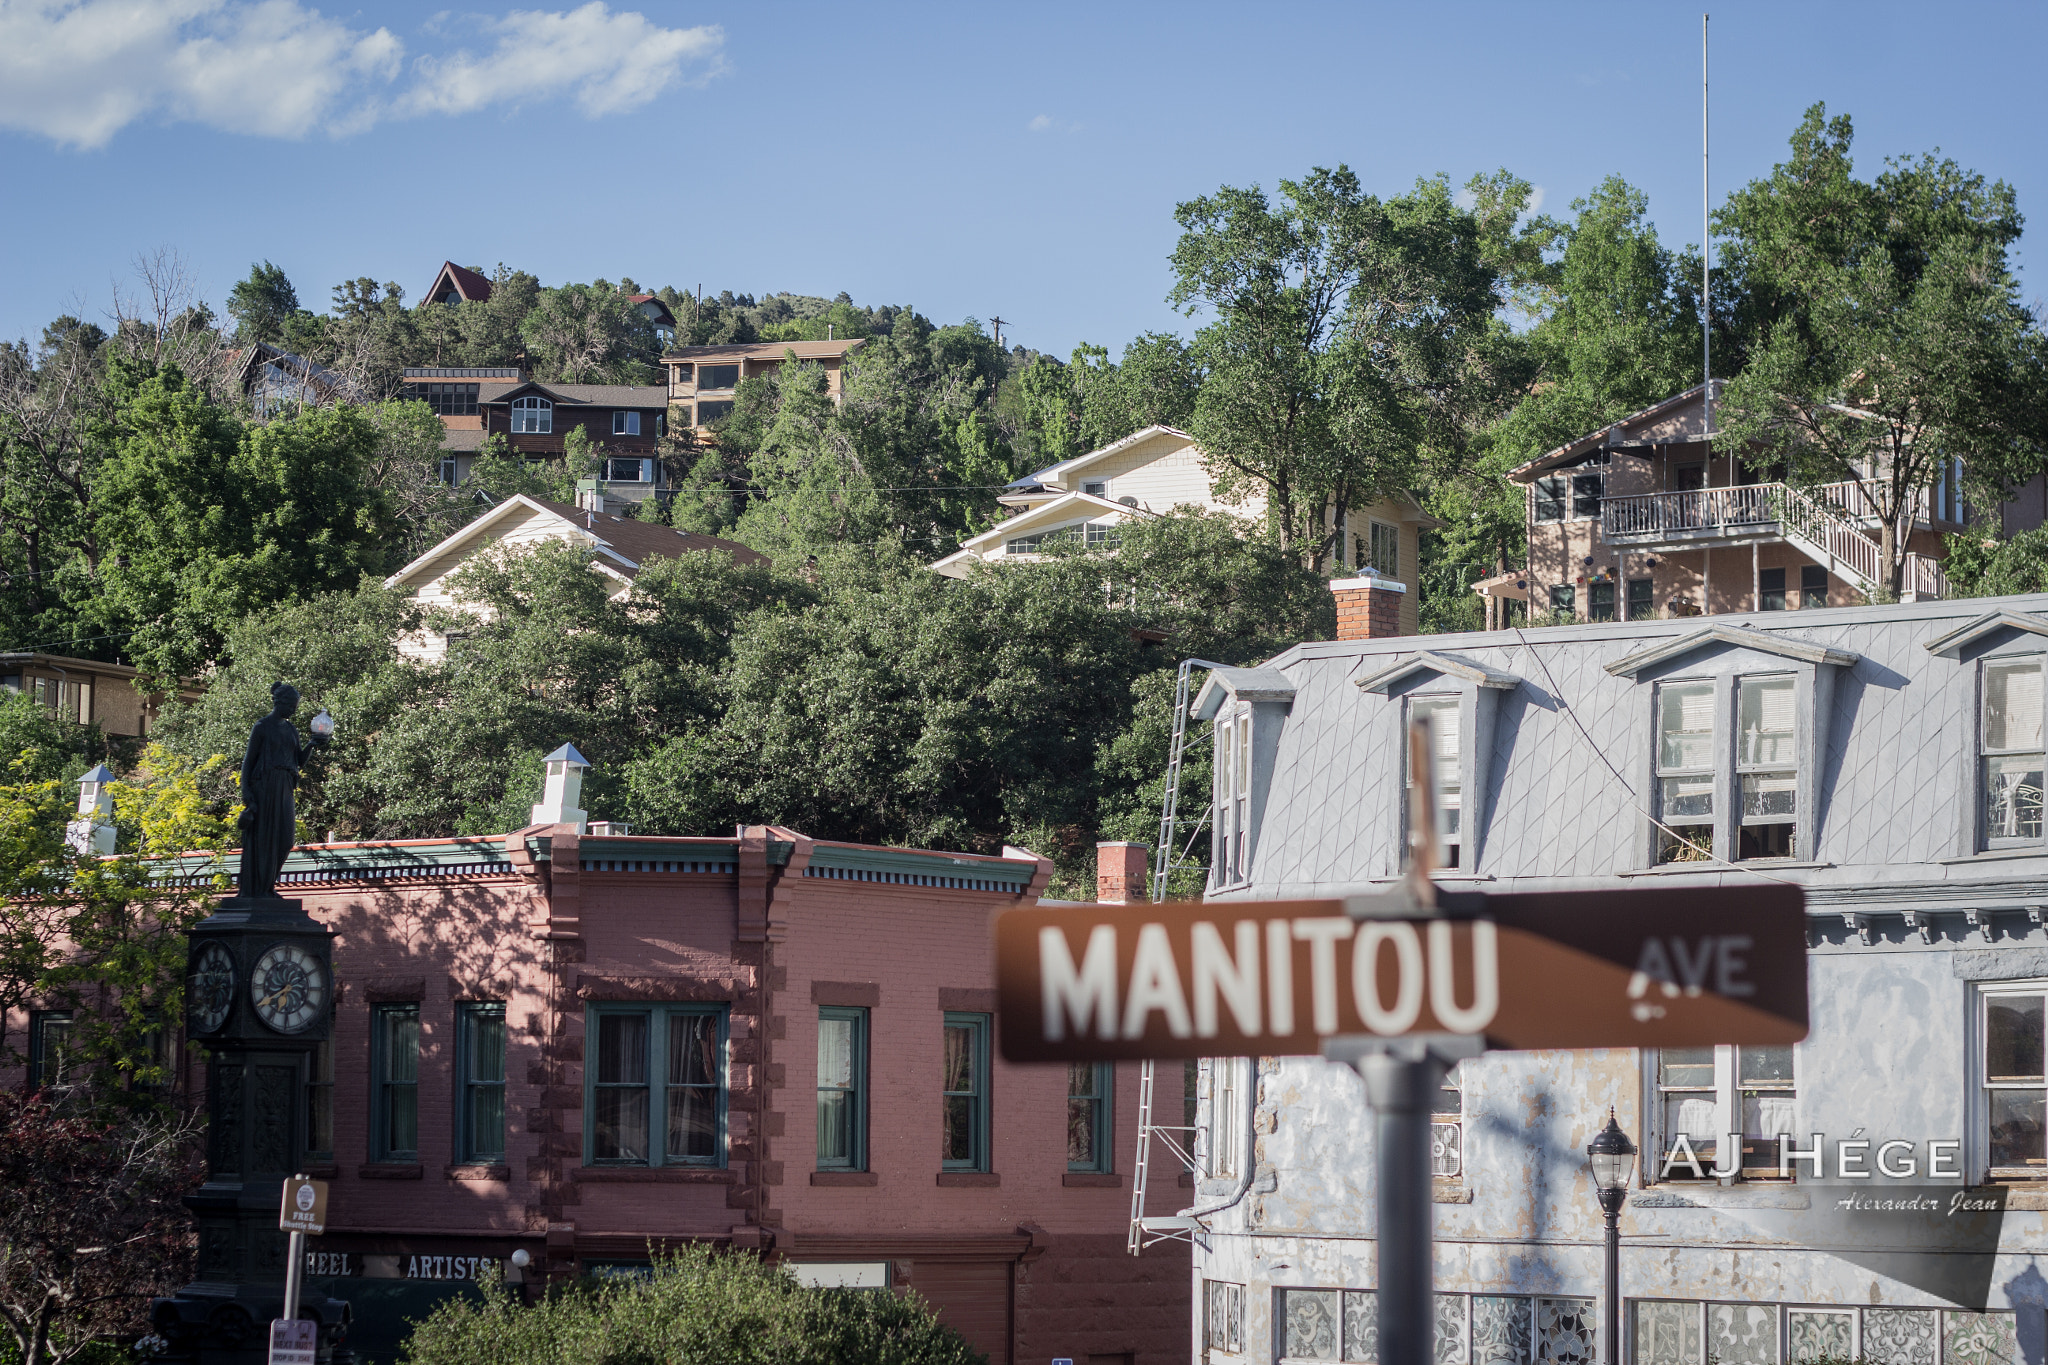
(1182, 1140)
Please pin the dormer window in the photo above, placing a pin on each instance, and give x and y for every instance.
(1685, 772)
(2010, 752)
(1442, 715)
(532, 416)
(1767, 758)
(1233, 795)
(1693, 786)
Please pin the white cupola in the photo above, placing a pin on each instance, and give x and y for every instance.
(562, 789)
(93, 830)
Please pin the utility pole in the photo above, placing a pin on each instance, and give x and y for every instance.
(998, 322)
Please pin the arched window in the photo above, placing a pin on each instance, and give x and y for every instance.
(533, 416)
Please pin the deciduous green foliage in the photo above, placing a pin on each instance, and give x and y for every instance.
(263, 304)
(590, 334)
(1339, 334)
(1888, 332)
(1059, 411)
(1983, 566)
(700, 1307)
(201, 519)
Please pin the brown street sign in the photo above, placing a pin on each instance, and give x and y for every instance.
(304, 1207)
(1679, 967)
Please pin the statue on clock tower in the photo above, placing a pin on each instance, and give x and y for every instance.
(259, 995)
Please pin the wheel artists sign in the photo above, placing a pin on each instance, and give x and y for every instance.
(1665, 968)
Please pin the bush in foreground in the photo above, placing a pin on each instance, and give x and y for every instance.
(701, 1307)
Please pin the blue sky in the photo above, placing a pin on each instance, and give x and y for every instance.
(966, 159)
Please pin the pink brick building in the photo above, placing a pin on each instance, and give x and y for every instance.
(581, 1046)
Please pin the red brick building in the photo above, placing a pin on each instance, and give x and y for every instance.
(583, 1046)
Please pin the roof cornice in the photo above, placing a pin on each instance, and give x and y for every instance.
(1243, 684)
(1430, 660)
(1952, 645)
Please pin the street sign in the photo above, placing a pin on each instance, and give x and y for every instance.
(305, 1206)
(1677, 967)
(294, 1341)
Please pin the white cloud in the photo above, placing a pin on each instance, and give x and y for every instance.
(79, 71)
(1040, 124)
(611, 62)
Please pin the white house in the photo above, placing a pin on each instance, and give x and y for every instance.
(621, 545)
(1154, 471)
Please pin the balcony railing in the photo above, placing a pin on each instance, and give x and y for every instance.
(1735, 508)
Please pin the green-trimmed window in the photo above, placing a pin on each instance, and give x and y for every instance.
(655, 1077)
(49, 1037)
(1088, 1115)
(480, 1080)
(395, 1083)
(842, 1089)
(964, 1112)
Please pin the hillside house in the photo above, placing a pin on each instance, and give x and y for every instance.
(701, 379)
(619, 546)
(1644, 519)
(625, 422)
(1151, 472)
(86, 691)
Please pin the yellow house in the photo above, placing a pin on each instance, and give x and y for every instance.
(1154, 471)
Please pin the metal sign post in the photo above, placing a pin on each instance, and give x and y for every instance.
(303, 1210)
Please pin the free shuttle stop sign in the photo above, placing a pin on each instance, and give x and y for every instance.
(1683, 967)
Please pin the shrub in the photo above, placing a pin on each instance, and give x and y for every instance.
(700, 1307)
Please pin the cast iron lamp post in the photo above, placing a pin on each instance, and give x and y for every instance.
(1613, 1159)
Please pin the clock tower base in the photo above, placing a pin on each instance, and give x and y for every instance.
(260, 1045)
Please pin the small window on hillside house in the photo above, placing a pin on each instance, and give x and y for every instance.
(1600, 599)
(532, 416)
(682, 374)
(1386, 549)
(1100, 490)
(1565, 598)
(709, 413)
(1587, 489)
(718, 377)
(2010, 750)
(1550, 497)
(1642, 599)
(1813, 586)
(625, 424)
(1687, 478)
(1770, 591)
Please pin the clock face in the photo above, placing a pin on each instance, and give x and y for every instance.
(211, 989)
(288, 988)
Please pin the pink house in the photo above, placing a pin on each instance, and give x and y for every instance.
(580, 1046)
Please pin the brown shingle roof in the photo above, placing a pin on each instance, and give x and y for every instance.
(583, 395)
(641, 541)
(468, 283)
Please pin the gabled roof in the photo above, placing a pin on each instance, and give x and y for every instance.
(1743, 637)
(1600, 436)
(623, 545)
(659, 314)
(327, 383)
(582, 395)
(767, 350)
(1436, 661)
(1068, 468)
(1951, 645)
(469, 286)
(1244, 684)
(1059, 511)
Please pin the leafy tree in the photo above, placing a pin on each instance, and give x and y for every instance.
(93, 1223)
(203, 519)
(590, 334)
(1889, 337)
(1339, 334)
(263, 304)
(1986, 566)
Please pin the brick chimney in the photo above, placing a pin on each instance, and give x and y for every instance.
(1368, 607)
(1120, 872)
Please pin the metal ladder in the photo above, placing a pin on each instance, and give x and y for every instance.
(1146, 1231)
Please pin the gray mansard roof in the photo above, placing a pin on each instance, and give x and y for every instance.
(1893, 794)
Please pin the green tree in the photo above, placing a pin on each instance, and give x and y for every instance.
(263, 304)
(1889, 339)
(590, 334)
(1340, 326)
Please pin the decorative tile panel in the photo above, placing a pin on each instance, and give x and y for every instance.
(1451, 1334)
(1564, 1331)
(1742, 1333)
(1899, 1336)
(1503, 1331)
(1310, 1326)
(1979, 1339)
(1667, 1332)
(1361, 1326)
(1816, 1334)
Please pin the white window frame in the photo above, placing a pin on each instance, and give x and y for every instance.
(1226, 1093)
(1383, 546)
(1764, 770)
(1435, 704)
(1981, 1085)
(1728, 768)
(1728, 1094)
(1984, 840)
(1447, 1127)
(1230, 848)
(532, 416)
(625, 423)
(1096, 488)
